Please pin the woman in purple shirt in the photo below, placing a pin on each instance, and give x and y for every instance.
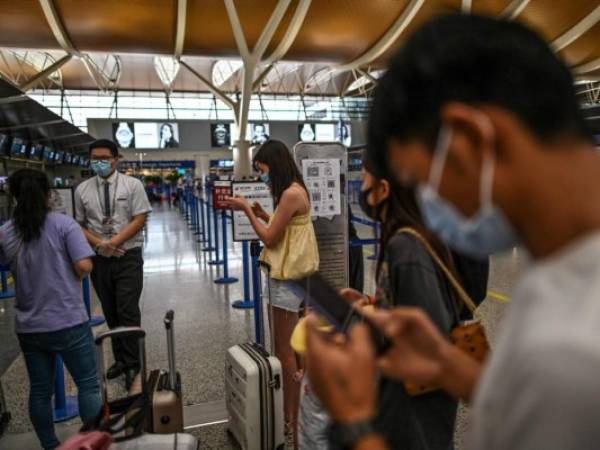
(48, 255)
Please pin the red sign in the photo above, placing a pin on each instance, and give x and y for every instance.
(221, 190)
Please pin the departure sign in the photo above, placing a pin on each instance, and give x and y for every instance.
(221, 190)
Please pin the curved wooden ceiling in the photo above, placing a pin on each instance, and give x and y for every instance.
(334, 31)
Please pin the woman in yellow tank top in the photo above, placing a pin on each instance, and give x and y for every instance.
(290, 250)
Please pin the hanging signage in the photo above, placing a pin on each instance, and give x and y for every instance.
(221, 190)
(254, 192)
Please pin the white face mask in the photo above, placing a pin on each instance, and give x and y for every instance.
(488, 231)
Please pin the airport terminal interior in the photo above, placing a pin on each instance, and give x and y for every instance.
(188, 90)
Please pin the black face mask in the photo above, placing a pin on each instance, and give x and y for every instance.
(371, 212)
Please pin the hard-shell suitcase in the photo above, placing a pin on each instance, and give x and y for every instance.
(254, 395)
(175, 441)
(128, 418)
(164, 388)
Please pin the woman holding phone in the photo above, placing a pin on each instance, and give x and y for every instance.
(290, 251)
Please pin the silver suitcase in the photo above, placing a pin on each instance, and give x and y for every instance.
(176, 441)
(254, 395)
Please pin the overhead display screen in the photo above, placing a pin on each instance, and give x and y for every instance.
(256, 133)
(325, 132)
(146, 135)
(220, 135)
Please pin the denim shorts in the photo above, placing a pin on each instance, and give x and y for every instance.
(282, 296)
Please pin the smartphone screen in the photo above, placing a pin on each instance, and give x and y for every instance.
(329, 304)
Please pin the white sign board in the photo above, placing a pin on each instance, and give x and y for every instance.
(62, 201)
(254, 192)
(322, 178)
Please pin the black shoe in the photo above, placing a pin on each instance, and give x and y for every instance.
(115, 370)
(130, 375)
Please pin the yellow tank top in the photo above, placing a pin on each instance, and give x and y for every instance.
(296, 255)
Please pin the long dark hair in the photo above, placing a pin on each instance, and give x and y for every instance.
(283, 170)
(403, 211)
(30, 188)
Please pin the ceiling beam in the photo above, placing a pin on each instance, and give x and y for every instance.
(286, 42)
(466, 6)
(387, 39)
(587, 67)
(180, 27)
(57, 27)
(211, 87)
(45, 73)
(514, 8)
(576, 31)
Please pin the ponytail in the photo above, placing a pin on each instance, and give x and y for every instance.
(30, 189)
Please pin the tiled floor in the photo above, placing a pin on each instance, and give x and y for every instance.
(177, 276)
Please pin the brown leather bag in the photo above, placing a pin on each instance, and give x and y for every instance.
(468, 336)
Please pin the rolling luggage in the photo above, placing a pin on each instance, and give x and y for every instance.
(254, 395)
(130, 420)
(166, 414)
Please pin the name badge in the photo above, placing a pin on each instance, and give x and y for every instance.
(108, 226)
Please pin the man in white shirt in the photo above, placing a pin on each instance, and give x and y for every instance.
(112, 209)
(480, 117)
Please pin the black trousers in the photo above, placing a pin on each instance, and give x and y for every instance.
(118, 283)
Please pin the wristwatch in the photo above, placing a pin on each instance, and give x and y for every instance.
(345, 435)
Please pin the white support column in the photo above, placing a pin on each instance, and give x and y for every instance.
(241, 153)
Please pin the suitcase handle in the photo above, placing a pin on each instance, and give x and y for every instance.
(169, 325)
(120, 332)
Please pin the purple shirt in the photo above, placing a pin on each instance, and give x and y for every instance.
(49, 296)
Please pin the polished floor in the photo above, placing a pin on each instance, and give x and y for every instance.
(178, 276)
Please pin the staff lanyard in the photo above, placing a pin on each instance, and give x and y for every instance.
(111, 209)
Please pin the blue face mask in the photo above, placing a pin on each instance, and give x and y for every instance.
(101, 168)
(487, 232)
(264, 177)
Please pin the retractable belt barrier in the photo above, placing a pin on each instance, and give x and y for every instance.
(376, 231)
(255, 249)
(246, 302)
(216, 261)
(225, 279)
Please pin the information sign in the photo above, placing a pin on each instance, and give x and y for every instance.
(254, 192)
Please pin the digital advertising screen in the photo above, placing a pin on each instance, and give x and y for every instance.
(161, 135)
(123, 134)
(343, 133)
(220, 135)
(48, 154)
(324, 132)
(18, 147)
(75, 160)
(36, 152)
(5, 144)
(307, 132)
(59, 156)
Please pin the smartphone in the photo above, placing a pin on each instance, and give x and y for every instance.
(327, 302)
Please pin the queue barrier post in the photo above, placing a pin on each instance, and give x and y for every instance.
(87, 300)
(216, 261)
(65, 406)
(202, 236)
(375, 255)
(5, 292)
(246, 302)
(255, 249)
(209, 247)
(225, 279)
(190, 219)
(196, 201)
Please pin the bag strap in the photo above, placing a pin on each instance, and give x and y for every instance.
(462, 294)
